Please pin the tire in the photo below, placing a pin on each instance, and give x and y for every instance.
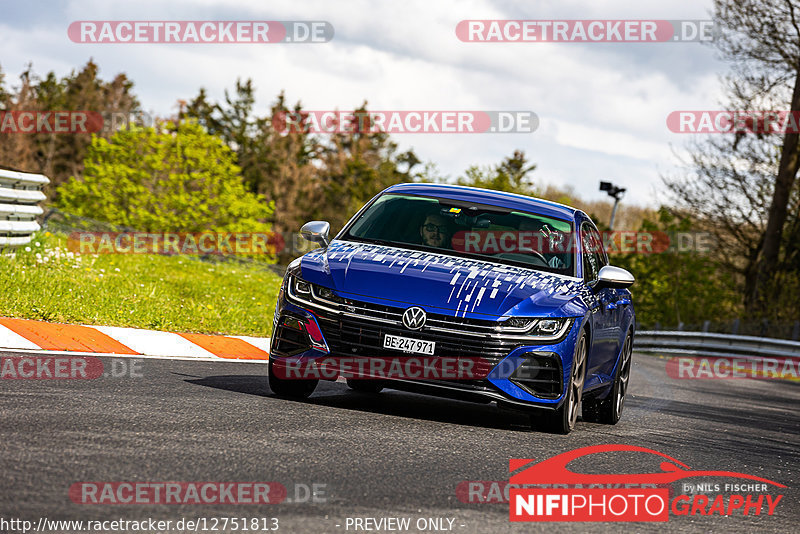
(364, 385)
(609, 410)
(290, 389)
(563, 420)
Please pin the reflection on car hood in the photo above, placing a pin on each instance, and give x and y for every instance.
(441, 283)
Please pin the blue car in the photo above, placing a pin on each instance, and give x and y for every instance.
(464, 293)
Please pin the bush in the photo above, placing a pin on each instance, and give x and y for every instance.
(170, 179)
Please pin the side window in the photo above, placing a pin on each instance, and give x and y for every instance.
(602, 258)
(594, 257)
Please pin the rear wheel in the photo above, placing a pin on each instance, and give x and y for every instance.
(364, 385)
(609, 410)
(562, 421)
(292, 389)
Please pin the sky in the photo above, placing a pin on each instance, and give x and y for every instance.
(602, 107)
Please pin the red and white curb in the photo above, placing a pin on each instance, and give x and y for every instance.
(50, 338)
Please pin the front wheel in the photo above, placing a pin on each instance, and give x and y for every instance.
(292, 389)
(563, 420)
(609, 410)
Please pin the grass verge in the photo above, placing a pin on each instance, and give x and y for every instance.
(175, 293)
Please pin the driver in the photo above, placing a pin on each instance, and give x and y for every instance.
(435, 231)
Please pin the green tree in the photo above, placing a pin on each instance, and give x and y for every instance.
(288, 173)
(247, 134)
(167, 179)
(4, 95)
(276, 165)
(676, 286)
(511, 175)
(17, 150)
(356, 164)
(60, 156)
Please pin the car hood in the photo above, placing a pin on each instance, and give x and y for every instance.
(440, 283)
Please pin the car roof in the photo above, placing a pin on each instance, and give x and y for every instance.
(486, 196)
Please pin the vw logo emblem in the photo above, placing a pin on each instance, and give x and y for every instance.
(414, 318)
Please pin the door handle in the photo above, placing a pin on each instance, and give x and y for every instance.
(618, 304)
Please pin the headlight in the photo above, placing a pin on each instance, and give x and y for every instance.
(301, 287)
(548, 327)
(544, 329)
(323, 293)
(310, 293)
(522, 323)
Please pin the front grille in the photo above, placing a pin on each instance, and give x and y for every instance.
(351, 336)
(359, 330)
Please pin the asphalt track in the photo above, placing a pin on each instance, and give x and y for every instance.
(388, 455)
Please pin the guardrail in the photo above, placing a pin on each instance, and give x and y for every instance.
(711, 344)
(20, 194)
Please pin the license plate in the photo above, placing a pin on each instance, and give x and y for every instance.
(406, 344)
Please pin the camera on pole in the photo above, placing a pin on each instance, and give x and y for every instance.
(616, 192)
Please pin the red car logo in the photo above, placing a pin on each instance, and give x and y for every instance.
(554, 470)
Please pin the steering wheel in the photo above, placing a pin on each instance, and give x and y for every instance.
(540, 256)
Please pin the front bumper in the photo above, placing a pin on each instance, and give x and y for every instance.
(519, 374)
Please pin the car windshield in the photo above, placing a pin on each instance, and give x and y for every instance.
(465, 229)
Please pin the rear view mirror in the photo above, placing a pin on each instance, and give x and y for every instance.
(316, 232)
(614, 277)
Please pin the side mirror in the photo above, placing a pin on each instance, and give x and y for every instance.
(316, 232)
(614, 277)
